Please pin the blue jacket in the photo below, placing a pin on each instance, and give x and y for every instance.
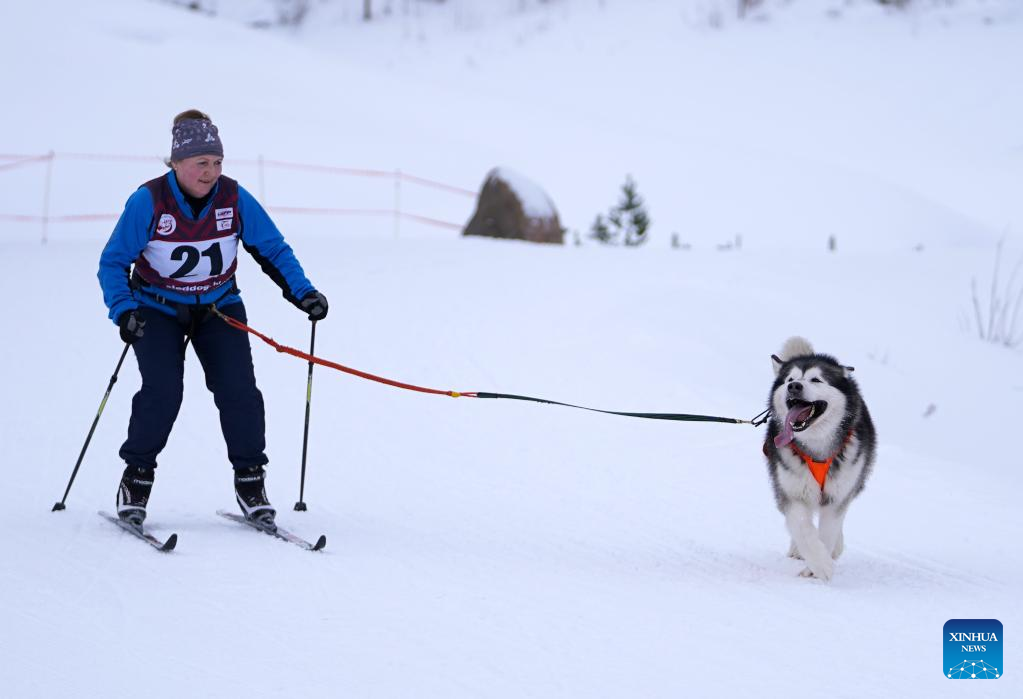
(134, 230)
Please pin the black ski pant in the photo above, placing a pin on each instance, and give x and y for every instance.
(226, 359)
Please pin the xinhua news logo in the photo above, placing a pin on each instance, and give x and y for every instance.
(973, 649)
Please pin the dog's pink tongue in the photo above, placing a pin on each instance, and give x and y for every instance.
(795, 415)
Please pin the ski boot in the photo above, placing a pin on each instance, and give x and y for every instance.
(133, 494)
(250, 492)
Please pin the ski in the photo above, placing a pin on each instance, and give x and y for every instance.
(165, 546)
(277, 531)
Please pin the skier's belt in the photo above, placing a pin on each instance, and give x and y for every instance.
(137, 283)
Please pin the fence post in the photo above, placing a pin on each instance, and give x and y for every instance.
(397, 202)
(46, 194)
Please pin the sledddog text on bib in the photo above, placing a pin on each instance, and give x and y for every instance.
(186, 256)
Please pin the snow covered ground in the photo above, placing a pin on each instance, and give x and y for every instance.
(498, 549)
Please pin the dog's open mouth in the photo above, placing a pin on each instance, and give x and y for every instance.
(802, 413)
(800, 416)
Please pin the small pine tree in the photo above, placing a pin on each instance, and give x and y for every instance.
(632, 218)
(600, 232)
(626, 223)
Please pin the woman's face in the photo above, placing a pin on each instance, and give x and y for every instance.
(198, 174)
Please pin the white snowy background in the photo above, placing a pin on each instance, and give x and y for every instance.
(500, 549)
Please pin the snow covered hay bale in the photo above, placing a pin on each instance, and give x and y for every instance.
(512, 206)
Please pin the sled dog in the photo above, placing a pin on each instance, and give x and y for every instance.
(820, 449)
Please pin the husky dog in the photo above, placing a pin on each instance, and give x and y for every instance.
(820, 448)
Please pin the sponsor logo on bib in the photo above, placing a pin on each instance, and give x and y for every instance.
(225, 213)
(224, 225)
(166, 225)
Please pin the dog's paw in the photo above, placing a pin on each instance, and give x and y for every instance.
(839, 548)
(823, 571)
(794, 552)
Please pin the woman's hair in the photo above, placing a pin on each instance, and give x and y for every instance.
(187, 114)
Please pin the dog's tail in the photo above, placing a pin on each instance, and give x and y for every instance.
(794, 347)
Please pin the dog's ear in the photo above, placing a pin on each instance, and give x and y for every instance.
(776, 363)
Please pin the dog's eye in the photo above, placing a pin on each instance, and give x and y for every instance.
(815, 380)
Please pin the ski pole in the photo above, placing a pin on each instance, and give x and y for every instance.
(300, 505)
(113, 379)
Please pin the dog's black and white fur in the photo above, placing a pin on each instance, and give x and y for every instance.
(816, 407)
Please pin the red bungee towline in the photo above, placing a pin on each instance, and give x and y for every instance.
(682, 417)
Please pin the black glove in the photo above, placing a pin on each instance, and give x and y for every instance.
(315, 304)
(132, 326)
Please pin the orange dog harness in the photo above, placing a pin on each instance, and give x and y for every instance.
(819, 469)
